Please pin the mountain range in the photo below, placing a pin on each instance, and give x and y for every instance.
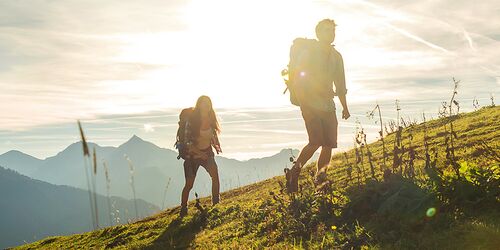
(153, 168)
(33, 209)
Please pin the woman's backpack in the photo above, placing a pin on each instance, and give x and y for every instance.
(183, 139)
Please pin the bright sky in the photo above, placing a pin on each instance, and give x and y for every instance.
(91, 60)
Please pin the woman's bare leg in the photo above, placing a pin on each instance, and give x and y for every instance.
(213, 171)
(185, 191)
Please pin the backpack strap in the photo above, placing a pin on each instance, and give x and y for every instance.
(187, 133)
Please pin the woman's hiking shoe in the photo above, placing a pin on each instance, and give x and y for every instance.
(287, 179)
(292, 178)
(215, 200)
(184, 211)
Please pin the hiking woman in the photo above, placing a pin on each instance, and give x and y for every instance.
(201, 131)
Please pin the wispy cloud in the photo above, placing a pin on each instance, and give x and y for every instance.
(57, 62)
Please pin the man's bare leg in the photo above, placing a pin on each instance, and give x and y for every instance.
(323, 161)
(293, 175)
(306, 154)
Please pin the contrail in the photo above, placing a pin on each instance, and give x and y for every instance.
(416, 38)
(403, 31)
(469, 40)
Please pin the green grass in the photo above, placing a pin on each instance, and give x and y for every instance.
(372, 214)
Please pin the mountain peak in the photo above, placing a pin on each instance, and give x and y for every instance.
(12, 152)
(77, 146)
(17, 153)
(135, 139)
(294, 151)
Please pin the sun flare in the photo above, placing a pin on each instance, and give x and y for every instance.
(224, 54)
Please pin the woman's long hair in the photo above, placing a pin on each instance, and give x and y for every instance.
(195, 120)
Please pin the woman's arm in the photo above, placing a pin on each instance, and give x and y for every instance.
(216, 143)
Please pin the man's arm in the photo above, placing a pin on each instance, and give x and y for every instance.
(340, 85)
(345, 110)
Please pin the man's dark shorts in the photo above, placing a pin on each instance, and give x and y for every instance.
(191, 165)
(321, 126)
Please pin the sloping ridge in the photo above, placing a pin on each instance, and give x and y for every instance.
(33, 209)
(226, 225)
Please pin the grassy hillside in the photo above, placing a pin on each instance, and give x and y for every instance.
(445, 204)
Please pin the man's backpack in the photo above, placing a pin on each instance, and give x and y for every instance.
(299, 46)
(182, 138)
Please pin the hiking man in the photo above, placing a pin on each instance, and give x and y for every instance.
(197, 134)
(314, 72)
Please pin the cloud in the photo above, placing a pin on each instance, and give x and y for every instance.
(148, 128)
(94, 16)
(58, 64)
(417, 50)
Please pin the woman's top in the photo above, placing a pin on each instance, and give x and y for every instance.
(205, 138)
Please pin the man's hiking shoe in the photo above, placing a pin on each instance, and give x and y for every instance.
(320, 178)
(292, 178)
(324, 187)
(287, 178)
(184, 211)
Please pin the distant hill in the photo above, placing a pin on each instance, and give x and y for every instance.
(23, 163)
(154, 166)
(31, 209)
(361, 213)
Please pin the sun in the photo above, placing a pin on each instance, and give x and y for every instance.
(232, 51)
